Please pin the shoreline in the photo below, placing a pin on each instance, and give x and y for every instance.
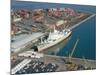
(82, 61)
(76, 25)
(68, 57)
(71, 28)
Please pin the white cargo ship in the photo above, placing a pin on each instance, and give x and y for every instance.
(54, 38)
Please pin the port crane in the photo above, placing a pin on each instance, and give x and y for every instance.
(73, 50)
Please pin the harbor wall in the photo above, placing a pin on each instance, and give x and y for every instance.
(82, 61)
(76, 25)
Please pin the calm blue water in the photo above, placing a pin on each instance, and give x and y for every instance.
(86, 46)
(85, 32)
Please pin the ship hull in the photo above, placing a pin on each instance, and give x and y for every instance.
(46, 46)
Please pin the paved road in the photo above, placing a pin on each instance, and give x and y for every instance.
(62, 60)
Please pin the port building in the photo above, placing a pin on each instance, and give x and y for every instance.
(20, 42)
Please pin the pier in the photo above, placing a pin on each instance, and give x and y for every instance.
(76, 25)
(74, 60)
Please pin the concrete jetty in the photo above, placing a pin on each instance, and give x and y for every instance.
(76, 25)
(75, 60)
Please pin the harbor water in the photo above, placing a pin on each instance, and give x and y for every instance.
(86, 31)
(87, 45)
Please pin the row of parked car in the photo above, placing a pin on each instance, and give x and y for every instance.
(38, 67)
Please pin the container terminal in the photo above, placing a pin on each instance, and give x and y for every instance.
(34, 31)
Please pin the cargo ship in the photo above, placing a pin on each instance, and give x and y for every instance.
(54, 38)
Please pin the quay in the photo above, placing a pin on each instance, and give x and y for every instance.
(60, 61)
(76, 25)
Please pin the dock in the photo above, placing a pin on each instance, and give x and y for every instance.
(74, 60)
(76, 25)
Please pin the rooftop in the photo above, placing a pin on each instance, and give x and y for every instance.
(24, 38)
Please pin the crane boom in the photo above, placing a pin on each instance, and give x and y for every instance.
(73, 50)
